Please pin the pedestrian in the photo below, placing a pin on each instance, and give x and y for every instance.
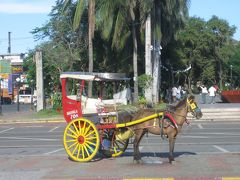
(169, 94)
(174, 94)
(204, 93)
(212, 94)
(179, 93)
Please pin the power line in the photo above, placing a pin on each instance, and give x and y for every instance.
(18, 38)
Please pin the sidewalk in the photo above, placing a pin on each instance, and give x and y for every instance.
(11, 115)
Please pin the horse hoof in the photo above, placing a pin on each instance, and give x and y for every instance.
(139, 161)
(172, 162)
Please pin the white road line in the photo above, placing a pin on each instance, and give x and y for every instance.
(33, 126)
(53, 129)
(6, 130)
(200, 126)
(25, 138)
(220, 149)
(51, 152)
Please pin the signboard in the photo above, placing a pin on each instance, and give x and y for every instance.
(5, 66)
(17, 69)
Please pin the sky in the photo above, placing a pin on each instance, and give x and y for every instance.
(20, 17)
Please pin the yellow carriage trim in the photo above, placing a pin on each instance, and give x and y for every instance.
(161, 114)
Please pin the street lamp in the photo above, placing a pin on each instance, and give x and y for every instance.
(32, 89)
(18, 84)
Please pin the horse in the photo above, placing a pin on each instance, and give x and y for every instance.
(169, 126)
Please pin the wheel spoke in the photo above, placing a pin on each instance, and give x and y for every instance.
(92, 143)
(89, 147)
(76, 129)
(79, 148)
(92, 132)
(75, 149)
(91, 138)
(83, 128)
(74, 132)
(86, 149)
(72, 140)
(69, 147)
(80, 129)
(86, 131)
(83, 155)
(72, 136)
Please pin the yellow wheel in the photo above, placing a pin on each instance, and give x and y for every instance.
(118, 147)
(112, 147)
(81, 140)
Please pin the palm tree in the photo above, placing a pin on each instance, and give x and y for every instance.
(81, 5)
(167, 17)
(117, 20)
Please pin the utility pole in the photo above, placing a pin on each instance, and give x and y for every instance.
(39, 80)
(9, 42)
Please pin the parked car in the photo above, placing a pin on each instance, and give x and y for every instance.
(24, 98)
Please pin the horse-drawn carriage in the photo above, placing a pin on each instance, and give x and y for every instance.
(109, 132)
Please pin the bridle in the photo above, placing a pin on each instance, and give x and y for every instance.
(193, 108)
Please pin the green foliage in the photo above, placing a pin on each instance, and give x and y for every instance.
(57, 101)
(48, 113)
(144, 81)
(207, 46)
(142, 100)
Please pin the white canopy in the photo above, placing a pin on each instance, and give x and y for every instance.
(95, 76)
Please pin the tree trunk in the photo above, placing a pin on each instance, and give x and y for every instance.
(135, 66)
(148, 60)
(91, 24)
(156, 72)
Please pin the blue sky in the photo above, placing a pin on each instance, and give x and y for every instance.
(21, 16)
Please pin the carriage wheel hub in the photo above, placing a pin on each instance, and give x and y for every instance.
(81, 139)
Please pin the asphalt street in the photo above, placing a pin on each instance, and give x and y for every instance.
(36, 150)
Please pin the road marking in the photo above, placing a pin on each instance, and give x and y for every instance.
(51, 152)
(33, 126)
(149, 178)
(53, 129)
(34, 139)
(202, 137)
(221, 149)
(6, 130)
(200, 126)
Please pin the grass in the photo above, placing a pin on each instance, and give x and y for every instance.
(49, 113)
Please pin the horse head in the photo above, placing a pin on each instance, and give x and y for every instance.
(193, 107)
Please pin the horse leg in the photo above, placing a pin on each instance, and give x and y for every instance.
(171, 148)
(138, 136)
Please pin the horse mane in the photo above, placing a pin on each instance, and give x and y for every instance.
(182, 102)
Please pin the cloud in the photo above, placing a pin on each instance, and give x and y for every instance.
(26, 8)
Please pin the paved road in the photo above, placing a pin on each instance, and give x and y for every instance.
(203, 150)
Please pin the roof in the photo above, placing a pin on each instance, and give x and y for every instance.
(95, 76)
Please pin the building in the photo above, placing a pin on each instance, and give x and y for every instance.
(11, 67)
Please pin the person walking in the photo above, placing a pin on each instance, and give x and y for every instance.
(179, 93)
(212, 94)
(204, 93)
(174, 94)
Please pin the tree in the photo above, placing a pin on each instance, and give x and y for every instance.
(91, 27)
(167, 16)
(221, 36)
(208, 53)
(118, 20)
